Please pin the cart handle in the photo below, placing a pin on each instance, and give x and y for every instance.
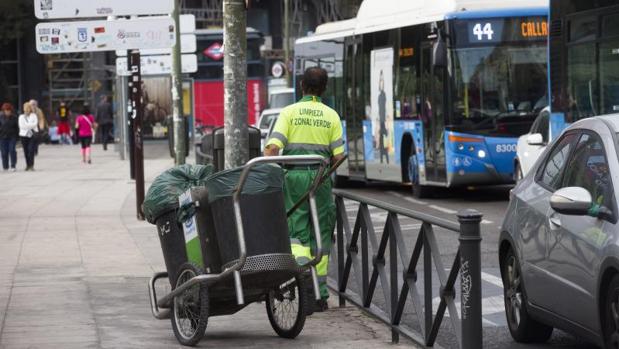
(286, 159)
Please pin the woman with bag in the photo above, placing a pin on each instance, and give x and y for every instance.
(85, 127)
(28, 127)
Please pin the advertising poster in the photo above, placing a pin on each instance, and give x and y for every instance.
(157, 105)
(381, 87)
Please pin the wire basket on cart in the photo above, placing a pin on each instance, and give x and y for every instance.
(245, 252)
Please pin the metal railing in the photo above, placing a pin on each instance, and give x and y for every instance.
(353, 255)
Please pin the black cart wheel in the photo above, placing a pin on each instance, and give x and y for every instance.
(287, 306)
(190, 308)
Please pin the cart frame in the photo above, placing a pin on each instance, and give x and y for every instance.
(161, 308)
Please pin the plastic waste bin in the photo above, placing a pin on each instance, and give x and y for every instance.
(264, 222)
(218, 149)
(161, 207)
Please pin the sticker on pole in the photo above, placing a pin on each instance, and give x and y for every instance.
(90, 36)
(55, 9)
(215, 51)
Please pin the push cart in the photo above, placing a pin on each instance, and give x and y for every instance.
(246, 254)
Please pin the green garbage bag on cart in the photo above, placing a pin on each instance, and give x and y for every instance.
(162, 196)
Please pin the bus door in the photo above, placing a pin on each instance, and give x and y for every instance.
(433, 116)
(354, 107)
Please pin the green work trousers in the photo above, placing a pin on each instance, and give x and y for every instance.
(300, 226)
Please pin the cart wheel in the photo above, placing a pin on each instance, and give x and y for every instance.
(190, 308)
(287, 306)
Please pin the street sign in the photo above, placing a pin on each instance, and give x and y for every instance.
(90, 36)
(158, 65)
(55, 9)
(215, 51)
(277, 70)
(188, 45)
(188, 24)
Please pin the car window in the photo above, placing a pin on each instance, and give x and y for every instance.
(588, 168)
(540, 125)
(544, 125)
(266, 120)
(552, 168)
(535, 125)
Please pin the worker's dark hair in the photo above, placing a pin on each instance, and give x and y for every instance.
(314, 81)
(86, 109)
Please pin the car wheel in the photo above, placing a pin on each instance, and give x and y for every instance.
(518, 173)
(611, 314)
(521, 326)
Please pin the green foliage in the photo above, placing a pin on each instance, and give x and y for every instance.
(16, 17)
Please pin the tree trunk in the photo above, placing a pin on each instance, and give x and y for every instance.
(235, 84)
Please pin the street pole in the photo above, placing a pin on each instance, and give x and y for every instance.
(287, 41)
(470, 279)
(130, 113)
(137, 114)
(177, 106)
(236, 143)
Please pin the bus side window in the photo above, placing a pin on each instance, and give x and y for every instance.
(407, 89)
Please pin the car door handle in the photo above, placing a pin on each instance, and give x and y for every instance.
(555, 221)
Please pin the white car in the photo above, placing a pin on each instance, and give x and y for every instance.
(266, 122)
(531, 145)
(281, 97)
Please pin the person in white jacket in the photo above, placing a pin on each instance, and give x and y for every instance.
(28, 126)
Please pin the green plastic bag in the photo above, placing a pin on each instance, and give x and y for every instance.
(262, 179)
(162, 196)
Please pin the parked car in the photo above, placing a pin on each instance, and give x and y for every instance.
(532, 144)
(266, 121)
(281, 97)
(558, 247)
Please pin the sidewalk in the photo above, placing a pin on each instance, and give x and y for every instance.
(75, 262)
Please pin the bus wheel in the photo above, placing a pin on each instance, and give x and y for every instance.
(419, 191)
(422, 191)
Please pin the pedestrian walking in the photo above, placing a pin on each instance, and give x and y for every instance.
(40, 135)
(309, 127)
(9, 132)
(105, 120)
(28, 127)
(85, 127)
(64, 124)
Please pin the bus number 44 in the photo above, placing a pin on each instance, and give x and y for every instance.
(480, 32)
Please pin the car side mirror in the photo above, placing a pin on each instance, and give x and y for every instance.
(575, 201)
(535, 139)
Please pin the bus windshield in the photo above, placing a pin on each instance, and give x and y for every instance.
(498, 90)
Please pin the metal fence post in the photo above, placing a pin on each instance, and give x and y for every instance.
(470, 278)
(340, 247)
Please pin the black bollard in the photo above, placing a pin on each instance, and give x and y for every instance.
(470, 278)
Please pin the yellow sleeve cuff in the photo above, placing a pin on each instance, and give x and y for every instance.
(339, 150)
(276, 142)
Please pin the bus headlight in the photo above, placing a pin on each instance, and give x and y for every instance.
(460, 147)
(481, 154)
(471, 148)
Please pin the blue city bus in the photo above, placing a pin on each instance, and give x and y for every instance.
(583, 60)
(434, 95)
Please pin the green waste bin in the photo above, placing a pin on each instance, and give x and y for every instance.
(161, 207)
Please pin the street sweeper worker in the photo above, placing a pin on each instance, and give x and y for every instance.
(309, 127)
